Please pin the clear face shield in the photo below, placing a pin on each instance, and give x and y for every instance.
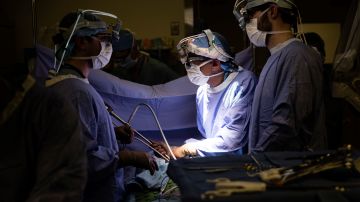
(190, 46)
(106, 31)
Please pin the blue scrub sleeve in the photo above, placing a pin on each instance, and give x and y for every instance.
(99, 157)
(293, 102)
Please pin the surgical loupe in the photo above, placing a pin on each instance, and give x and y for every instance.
(240, 13)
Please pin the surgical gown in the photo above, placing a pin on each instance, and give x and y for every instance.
(244, 58)
(288, 110)
(101, 144)
(42, 153)
(223, 114)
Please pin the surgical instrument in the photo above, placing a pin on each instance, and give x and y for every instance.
(141, 138)
(342, 158)
(225, 187)
(158, 124)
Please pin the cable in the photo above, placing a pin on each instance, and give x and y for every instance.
(157, 122)
(34, 21)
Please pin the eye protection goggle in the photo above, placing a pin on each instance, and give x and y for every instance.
(104, 37)
(191, 60)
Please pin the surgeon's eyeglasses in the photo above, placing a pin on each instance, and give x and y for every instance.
(104, 37)
(194, 60)
(252, 11)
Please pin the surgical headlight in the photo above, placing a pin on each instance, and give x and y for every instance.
(243, 8)
(240, 13)
(205, 45)
(86, 27)
(182, 51)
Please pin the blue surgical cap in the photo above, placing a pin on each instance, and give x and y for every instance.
(288, 4)
(219, 41)
(125, 41)
(211, 45)
(88, 25)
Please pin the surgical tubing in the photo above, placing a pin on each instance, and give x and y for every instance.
(157, 122)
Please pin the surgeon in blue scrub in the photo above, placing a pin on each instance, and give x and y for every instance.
(288, 109)
(223, 98)
(129, 63)
(84, 44)
(42, 152)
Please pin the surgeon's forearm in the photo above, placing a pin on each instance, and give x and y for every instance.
(216, 144)
(184, 150)
(100, 158)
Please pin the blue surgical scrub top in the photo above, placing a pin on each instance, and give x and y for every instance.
(288, 109)
(223, 113)
(101, 144)
(42, 152)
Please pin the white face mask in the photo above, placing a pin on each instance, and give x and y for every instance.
(196, 76)
(257, 37)
(104, 56)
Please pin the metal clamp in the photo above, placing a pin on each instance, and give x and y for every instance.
(224, 187)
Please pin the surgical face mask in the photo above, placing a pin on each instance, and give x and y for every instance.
(104, 56)
(196, 76)
(257, 37)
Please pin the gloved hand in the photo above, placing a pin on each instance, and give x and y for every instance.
(124, 134)
(161, 148)
(138, 159)
(184, 150)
